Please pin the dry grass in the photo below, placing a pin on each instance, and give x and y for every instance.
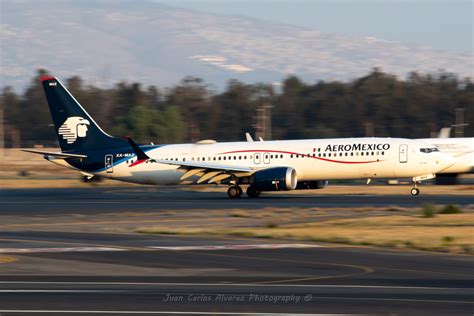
(447, 233)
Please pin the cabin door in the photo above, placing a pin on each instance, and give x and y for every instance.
(403, 153)
(256, 158)
(109, 163)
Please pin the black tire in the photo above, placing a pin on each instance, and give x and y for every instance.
(233, 192)
(252, 192)
(415, 191)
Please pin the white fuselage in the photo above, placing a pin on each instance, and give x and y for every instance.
(461, 149)
(314, 159)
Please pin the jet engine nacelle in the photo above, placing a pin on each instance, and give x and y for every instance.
(275, 179)
(312, 185)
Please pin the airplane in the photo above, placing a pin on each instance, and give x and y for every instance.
(460, 148)
(263, 166)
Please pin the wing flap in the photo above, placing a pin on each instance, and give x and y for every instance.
(58, 155)
(203, 165)
(208, 176)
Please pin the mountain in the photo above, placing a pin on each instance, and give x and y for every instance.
(107, 41)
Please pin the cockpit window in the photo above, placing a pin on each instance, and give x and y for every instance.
(428, 150)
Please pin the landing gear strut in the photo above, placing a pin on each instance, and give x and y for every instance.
(234, 191)
(415, 191)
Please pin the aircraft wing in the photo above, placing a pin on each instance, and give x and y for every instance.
(212, 173)
(207, 171)
(58, 155)
(203, 165)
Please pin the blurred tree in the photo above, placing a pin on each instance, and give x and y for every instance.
(413, 108)
(35, 124)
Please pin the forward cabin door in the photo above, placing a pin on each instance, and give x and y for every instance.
(403, 153)
(109, 163)
(266, 158)
(257, 158)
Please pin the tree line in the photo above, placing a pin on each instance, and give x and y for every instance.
(378, 104)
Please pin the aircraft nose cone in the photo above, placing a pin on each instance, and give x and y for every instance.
(444, 161)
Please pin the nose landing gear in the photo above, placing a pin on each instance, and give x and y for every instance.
(415, 191)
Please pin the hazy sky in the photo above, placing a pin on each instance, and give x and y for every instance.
(441, 24)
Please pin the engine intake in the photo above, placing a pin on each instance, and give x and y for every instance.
(275, 179)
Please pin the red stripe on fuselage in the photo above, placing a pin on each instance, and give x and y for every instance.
(137, 162)
(293, 153)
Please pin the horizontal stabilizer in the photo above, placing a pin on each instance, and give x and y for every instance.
(58, 155)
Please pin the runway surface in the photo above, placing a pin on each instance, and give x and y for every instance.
(47, 201)
(66, 271)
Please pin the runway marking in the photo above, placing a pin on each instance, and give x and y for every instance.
(365, 269)
(7, 259)
(31, 311)
(251, 285)
(65, 249)
(157, 220)
(237, 285)
(426, 271)
(236, 247)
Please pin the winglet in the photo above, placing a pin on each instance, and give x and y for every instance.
(248, 137)
(138, 151)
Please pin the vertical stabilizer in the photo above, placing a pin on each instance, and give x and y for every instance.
(76, 129)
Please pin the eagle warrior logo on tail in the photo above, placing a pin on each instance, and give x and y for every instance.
(73, 128)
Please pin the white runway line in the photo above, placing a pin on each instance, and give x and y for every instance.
(237, 285)
(38, 311)
(236, 247)
(62, 249)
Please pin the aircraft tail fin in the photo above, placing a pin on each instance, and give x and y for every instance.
(76, 129)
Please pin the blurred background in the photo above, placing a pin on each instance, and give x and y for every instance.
(177, 71)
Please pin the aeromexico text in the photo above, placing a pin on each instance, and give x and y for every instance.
(357, 147)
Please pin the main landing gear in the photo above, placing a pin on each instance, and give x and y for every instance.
(235, 191)
(252, 192)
